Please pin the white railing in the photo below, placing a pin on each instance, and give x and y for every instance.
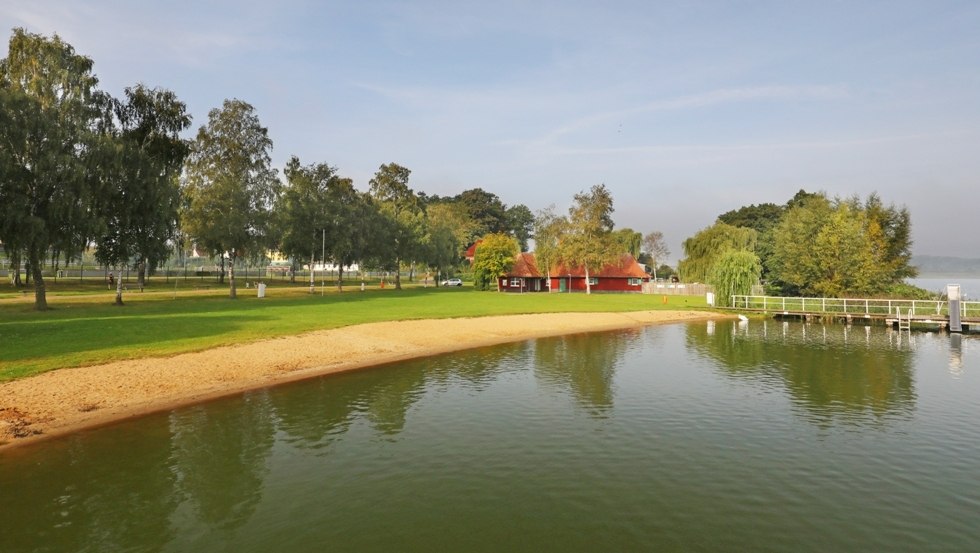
(851, 306)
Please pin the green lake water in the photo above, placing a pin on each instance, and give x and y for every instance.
(764, 436)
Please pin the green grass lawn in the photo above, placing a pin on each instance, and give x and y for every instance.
(84, 328)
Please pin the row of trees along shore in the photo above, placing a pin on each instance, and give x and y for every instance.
(79, 168)
(810, 246)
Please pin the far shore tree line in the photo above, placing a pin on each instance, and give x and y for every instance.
(811, 246)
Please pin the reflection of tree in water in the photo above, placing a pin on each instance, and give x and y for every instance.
(317, 410)
(107, 491)
(834, 371)
(220, 450)
(478, 368)
(585, 363)
(314, 410)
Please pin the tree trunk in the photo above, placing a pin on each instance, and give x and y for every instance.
(141, 276)
(398, 274)
(40, 295)
(340, 278)
(232, 291)
(221, 274)
(119, 300)
(588, 285)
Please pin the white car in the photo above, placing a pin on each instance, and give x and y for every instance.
(452, 282)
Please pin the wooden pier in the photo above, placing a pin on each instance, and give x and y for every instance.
(929, 314)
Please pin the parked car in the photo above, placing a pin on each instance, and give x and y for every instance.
(452, 282)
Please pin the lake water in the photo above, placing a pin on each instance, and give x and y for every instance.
(969, 287)
(767, 436)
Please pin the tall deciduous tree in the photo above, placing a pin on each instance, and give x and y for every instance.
(493, 258)
(704, 248)
(444, 244)
(734, 273)
(50, 181)
(656, 248)
(142, 200)
(231, 186)
(588, 241)
(520, 223)
(549, 231)
(405, 214)
(840, 248)
(629, 241)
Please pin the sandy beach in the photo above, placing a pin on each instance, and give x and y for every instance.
(67, 400)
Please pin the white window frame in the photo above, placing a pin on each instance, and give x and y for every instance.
(634, 281)
(515, 282)
(593, 281)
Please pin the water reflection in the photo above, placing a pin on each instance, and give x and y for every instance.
(220, 458)
(62, 501)
(834, 373)
(585, 364)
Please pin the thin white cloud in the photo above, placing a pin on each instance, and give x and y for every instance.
(700, 101)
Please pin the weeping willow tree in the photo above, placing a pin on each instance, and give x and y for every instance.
(708, 245)
(734, 273)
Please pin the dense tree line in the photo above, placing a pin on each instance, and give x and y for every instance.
(812, 246)
(81, 169)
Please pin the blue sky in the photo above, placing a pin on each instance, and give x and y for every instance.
(684, 109)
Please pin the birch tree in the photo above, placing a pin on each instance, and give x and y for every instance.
(588, 240)
(141, 203)
(231, 187)
(50, 181)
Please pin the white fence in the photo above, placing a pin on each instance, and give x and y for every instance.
(676, 289)
(852, 306)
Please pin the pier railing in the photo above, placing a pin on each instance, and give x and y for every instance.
(852, 306)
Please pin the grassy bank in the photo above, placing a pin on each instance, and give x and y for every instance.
(85, 329)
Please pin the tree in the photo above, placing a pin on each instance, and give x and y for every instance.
(760, 217)
(834, 249)
(734, 273)
(404, 212)
(50, 182)
(588, 240)
(485, 209)
(549, 231)
(656, 247)
(493, 258)
(314, 214)
(444, 245)
(230, 186)
(704, 248)
(141, 203)
(520, 223)
(628, 241)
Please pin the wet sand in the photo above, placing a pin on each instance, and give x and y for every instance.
(63, 401)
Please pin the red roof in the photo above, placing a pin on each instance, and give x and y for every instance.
(627, 267)
(525, 266)
(471, 251)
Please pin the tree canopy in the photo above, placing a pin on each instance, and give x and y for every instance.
(142, 197)
(405, 215)
(230, 186)
(50, 181)
(493, 258)
(588, 241)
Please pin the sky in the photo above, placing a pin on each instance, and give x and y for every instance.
(683, 109)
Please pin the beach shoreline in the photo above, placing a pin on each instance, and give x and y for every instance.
(65, 401)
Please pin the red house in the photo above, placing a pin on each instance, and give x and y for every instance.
(626, 275)
(470, 252)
